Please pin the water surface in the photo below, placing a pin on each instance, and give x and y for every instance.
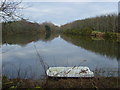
(20, 57)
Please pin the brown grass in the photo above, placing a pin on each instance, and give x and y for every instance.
(98, 82)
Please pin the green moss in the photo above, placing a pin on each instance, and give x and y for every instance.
(37, 87)
(13, 87)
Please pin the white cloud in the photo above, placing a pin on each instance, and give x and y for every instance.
(64, 12)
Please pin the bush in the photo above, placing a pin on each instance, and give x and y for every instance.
(86, 31)
(110, 35)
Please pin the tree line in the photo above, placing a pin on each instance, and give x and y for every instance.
(26, 27)
(107, 24)
(104, 23)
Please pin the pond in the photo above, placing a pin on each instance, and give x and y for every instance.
(19, 56)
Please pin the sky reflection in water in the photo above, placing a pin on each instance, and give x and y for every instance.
(56, 52)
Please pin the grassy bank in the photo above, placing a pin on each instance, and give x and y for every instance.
(97, 82)
(109, 35)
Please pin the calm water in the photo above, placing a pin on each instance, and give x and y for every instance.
(20, 57)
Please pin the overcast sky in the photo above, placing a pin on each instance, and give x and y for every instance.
(63, 12)
(71, 0)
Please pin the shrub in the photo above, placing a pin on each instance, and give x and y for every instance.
(110, 35)
(86, 31)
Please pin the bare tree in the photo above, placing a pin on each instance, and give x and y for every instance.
(9, 8)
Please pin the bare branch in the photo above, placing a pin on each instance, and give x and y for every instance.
(9, 8)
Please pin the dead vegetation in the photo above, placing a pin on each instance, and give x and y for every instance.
(97, 82)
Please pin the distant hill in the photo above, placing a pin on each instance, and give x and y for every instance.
(24, 26)
(104, 23)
